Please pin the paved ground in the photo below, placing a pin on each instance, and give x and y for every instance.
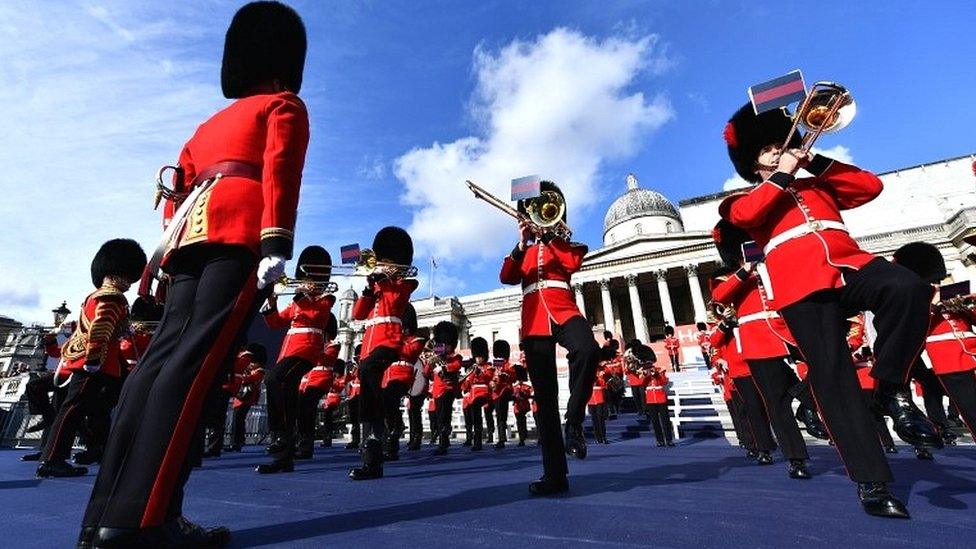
(703, 493)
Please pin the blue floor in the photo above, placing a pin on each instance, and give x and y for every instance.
(704, 493)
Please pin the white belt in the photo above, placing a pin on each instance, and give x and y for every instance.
(479, 385)
(762, 315)
(543, 284)
(293, 331)
(321, 369)
(803, 230)
(949, 337)
(655, 387)
(382, 320)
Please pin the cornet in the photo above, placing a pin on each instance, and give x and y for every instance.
(367, 265)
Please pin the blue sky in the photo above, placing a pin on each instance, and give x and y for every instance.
(408, 98)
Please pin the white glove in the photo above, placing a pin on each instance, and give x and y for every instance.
(92, 368)
(270, 269)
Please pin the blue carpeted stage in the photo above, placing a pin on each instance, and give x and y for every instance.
(704, 493)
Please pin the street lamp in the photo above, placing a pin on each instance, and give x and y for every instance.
(61, 313)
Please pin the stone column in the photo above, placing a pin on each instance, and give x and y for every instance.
(696, 292)
(662, 287)
(636, 309)
(580, 300)
(608, 322)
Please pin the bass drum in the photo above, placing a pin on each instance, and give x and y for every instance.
(419, 381)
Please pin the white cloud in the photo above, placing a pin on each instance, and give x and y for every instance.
(371, 168)
(837, 152)
(558, 106)
(735, 182)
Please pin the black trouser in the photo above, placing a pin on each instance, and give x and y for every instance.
(282, 382)
(660, 417)
(308, 409)
(215, 418)
(501, 417)
(774, 379)
(540, 357)
(37, 392)
(475, 411)
(445, 411)
(392, 399)
(240, 425)
(432, 419)
(884, 435)
(372, 406)
(81, 400)
(932, 393)
(328, 425)
(740, 423)
(211, 299)
(355, 425)
(598, 414)
(414, 417)
(522, 425)
(900, 302)
(637, 393)
(42, 386)
(489, 412)
(613, 402)
(961, 388)
(674, 363)
(755, 413)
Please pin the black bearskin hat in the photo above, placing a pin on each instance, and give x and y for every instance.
(145, 310)
(633, 344)
(332, 328)
(357, 350)
(501, 349)
(923, 259)
(265, 42)
(446, 333)
(121, 257)
(606, 353)
(408, 321)
(644, 353)
(339, 368)
(479, 347)
(393, 244)
(258, 353)
(668, 330)
(521, 373)
(747, 134)
(543, 186)
(701, 326)
(728, 241)
(314, 255)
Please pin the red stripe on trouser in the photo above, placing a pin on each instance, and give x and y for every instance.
(53, 444)
(169, 469)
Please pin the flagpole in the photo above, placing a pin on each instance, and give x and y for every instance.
(432, 277)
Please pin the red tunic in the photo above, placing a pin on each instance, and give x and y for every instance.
(250, 388)
(598, 397)
(671, 344)
(656, 390)
(402, 372)
(522, 397)
(269, 132)
(321, 376)
(235, 380)
(352, 384)
(334, 398)
(549, 265)
(444, 384)
(501, 386)
(306, 319)
(951, 343)
(813, 261)
(762, 333)
(703, 343)
(728, 350)
(476, 384)
(381, 307)
(95, 340)
(132, 346)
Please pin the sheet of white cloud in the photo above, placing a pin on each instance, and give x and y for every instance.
(558, 105)
(837, 152)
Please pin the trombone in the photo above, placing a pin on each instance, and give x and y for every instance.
(365, 266)
(292, 286)
(828, 108)
(545, 212)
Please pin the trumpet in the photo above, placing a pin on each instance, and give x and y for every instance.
(828, 108)
(365, 266)
(720, 312)
(545, 212)
(961, 304)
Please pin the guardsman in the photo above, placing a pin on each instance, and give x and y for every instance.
(673, 347)
(398, 379)
(634, 380)
(706, 348)
(656, 397)
(330, 404)
(229, 230)
(215, 409)
(501, 388)
(445, 369)
(598, 399)
(477, 384)
(248, 393)
(315, 385)
(91, 355)
(521, 402)
(352, 391)
(814, 266)
(45, 391)
(381, 306)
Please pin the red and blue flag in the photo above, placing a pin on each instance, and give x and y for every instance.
(349, 254)
(778, 92)
(526, 187)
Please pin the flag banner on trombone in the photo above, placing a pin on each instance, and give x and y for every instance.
(349, 254)
(751, 252)
(526, 187)
(778, 92)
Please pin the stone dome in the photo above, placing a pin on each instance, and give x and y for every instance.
(638, 203)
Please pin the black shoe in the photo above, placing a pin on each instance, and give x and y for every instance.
(605, 441)
(305, 449)
(36, 456)
(476, 446)
(284, 465)
(575, 442)
(327, 443)
(752, 454)
(490, 439)
(798, 469)
(612, 417)
(414, 444)
(467, 442)
(86, 537)
(660, 444)
(669, 444)
(549, 486)
(948, 437)
(176, 533)
(440, 451)
(207, 454)
(87, 457)
(811, 422)
(39, 427)
(278, 444)
(923, 453)
(764, 458)
(891, 449)
(500, 445)
(391, 451)
(353, 445)
(910, 423)
(372, 462)
(521, 443)
(878, 501)
(59, 468)
(230, 449)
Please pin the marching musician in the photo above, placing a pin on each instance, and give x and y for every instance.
(542, 262)
(311, 326)
(91, 355)
(673, 347)
(398, 379)
(420, 391)
(634, 379)
(381, 306)
(315, 385)
(813, 267)
(445, 368)
(702, 337)
(476, 383)
(432, 413)
(45, 391)
(353, 388)
(655, 396)
(521, 402)
(330, 405)
(215, 409)
(231, 217)
(598, 399)
(248, 393)
(501, 388)
(721, 378)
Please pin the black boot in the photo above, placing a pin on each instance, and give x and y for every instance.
(575, 442)
(948, 437)
(414, 444)
(176, 533)
(752, 454)
(798, 469)
(549, 486)
(59, 468)
(811, 422)
(923, 453)
(521, 442)
(278, 465)
(327, 443)
(500, 445)
(764, 458)
(278, 443)
(89, 456)
(372, 461)
(305, 448)
(878, 501)
(491, 437)
(86, 537)
(910, 423)
(36, 456)
(391, 452)
(890, 449)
